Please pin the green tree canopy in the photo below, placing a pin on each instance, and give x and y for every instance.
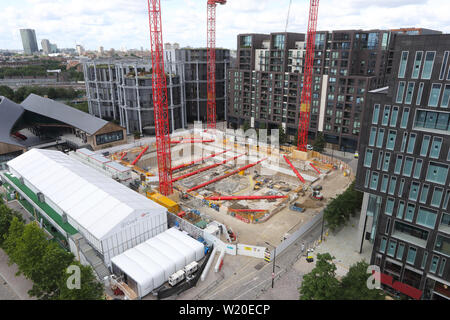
(354, 284)
(6, 217)
(319, 142)
(90, 288)
(320, 283)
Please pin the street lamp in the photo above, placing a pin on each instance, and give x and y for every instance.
(274, 254)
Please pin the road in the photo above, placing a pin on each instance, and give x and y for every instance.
(250, 283)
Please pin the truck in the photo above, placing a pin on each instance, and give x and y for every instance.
(190, 268)
(177, 277)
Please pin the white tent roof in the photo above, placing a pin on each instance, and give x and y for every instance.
(151, 263)
(97, 203)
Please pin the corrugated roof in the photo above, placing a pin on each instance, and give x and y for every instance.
(10, 112)
(61, 112)
(95, 202)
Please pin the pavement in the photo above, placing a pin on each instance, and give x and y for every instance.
(16, 287)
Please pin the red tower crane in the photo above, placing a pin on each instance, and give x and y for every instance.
(211, 62)
(305, 102)
(159, 90)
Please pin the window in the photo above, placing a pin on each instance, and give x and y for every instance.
(411, 143)
(424, 193)
(392, 185)
(432, 120)
(436, 147)
(447, 197)
(366, 181)
(389, 206)
(417, 63)
(400, 92)
(400, 251)
(418, 169)
(368, 158)
(398, 164)
(391, 139)
(437, 173)
(406, 231)
(434, 95)
(391, 248)
(419, 94)
(405, 118)
(400, 188)
(383, 245)
(407, 168)
(445, 96)
(380, 138)
(373, 134)
(109, 137)
(376, 113)
(434, 263)
(403, 62)
(410, 212)
(428, 64)
(426, 218)
(388, 225)
(384, 183)
(444, 65)
(400, 209)
(442, 245)
(425, 144)
(411, 257)
(380, 160)
(394, 117)
(442, 267)
(386, 113)
(437, 197)
(387, 159)
(424, 260)
(409, 93)
(414, 191)
(402, 147)
(374, 181)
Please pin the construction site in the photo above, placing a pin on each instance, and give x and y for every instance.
(259, 193)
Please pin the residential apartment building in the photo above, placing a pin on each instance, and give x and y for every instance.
(121, 89)
(404, 169)
(265, 87)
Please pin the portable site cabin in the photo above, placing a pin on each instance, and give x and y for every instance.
(110, 216)
(150, 264)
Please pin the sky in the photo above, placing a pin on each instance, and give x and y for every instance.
(124, 23)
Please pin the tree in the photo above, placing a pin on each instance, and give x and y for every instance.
(319, 142)
(6, 217)
(49, 271)
(90, 288)
(245, 126)
(282, 135)
(354, 284)
(7, 92)
(12, 237)
(320, 283)
(340, 209)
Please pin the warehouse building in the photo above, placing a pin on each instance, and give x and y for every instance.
(149, 265)
(70, 197)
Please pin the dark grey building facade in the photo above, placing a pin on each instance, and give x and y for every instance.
(265, 88)
(404, 168)
(29, 41)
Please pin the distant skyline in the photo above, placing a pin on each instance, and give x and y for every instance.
(124, 23)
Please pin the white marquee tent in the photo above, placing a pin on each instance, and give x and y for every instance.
(112, 217)
(148, 265)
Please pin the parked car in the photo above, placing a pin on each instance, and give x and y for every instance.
(356, 156)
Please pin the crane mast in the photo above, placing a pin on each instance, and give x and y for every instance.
(211, 62)
(305, 101)
(160, 105)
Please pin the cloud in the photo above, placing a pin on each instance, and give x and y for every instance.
(124, 23)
